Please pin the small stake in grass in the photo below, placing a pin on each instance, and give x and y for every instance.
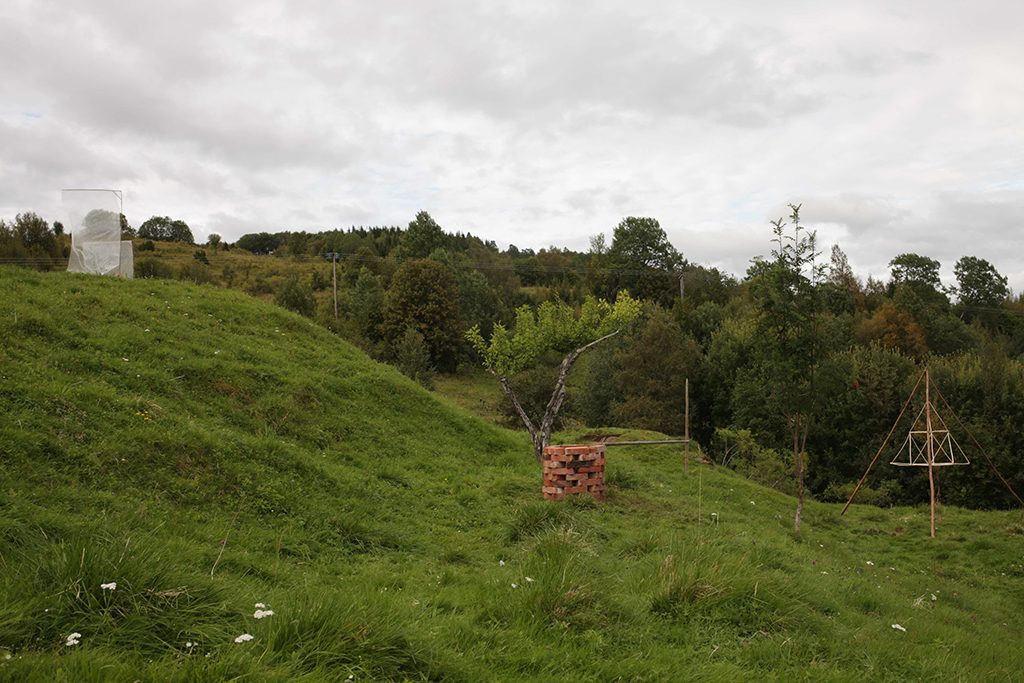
(223, 544)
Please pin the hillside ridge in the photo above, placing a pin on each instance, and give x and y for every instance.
(206, 452)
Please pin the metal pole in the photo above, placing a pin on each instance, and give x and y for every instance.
(657, 442)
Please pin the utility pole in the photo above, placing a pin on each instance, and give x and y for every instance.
(334, 278)
(682, 289)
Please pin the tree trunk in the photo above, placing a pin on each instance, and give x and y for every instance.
(541, 436)
(800, 430)
(798, 518)
(535, 434)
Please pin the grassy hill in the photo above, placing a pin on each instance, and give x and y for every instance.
(207, 452)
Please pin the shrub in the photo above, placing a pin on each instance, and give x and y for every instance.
(195, 272)
(295, 296)
(413, 358)
(153, 268)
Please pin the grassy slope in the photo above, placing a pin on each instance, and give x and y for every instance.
(207, 452)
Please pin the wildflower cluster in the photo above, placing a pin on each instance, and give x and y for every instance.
(262, 612)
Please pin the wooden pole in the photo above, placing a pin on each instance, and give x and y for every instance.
(884, 444)
(929, 450)
(686, 423)
(334, 277)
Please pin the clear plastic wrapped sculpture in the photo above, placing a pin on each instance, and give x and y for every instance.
(94, 220)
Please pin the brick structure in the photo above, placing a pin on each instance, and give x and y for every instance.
(574, 469)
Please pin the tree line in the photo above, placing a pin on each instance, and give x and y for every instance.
(797, 367)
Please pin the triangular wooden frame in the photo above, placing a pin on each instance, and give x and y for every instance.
(930, 442)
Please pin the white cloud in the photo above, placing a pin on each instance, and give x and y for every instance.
(537, 123)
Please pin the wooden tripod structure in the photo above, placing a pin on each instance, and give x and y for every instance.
(929, 444)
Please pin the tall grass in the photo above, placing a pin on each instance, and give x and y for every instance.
(241, 455)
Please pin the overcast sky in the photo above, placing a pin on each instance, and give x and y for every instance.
(899, 126)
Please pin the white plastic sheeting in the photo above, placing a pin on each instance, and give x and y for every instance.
(94, 220)
(127, 266)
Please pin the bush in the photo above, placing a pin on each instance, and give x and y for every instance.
(153, 268)
(295, 296)
(413, 358)
(196, 272)
(148, 245)
(885, 494)
(738, 450)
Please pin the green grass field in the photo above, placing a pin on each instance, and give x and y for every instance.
(207, 452)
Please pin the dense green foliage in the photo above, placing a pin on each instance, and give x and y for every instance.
(554, 328)
(29, 240)
(166, 229)
(872, 334)
(207, 452)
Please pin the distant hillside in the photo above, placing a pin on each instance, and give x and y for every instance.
(206, 452)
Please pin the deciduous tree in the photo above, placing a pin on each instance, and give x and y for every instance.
(166, 229)
(424, 295)
(982, 290)
(553, 326)
(790, 340)
(643, 261)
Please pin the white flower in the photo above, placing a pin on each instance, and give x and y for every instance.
(529, 579)
(109, 586)
(871, 563)
(244, 638)
(260, 613)
(501, 563)
(260, 605)
(899, 628)
(189, 644)
(515, 585)
(73, 639)
(934, 598)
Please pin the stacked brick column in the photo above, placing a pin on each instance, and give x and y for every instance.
(574, 469)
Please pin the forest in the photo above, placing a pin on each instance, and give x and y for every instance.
(797, 367)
